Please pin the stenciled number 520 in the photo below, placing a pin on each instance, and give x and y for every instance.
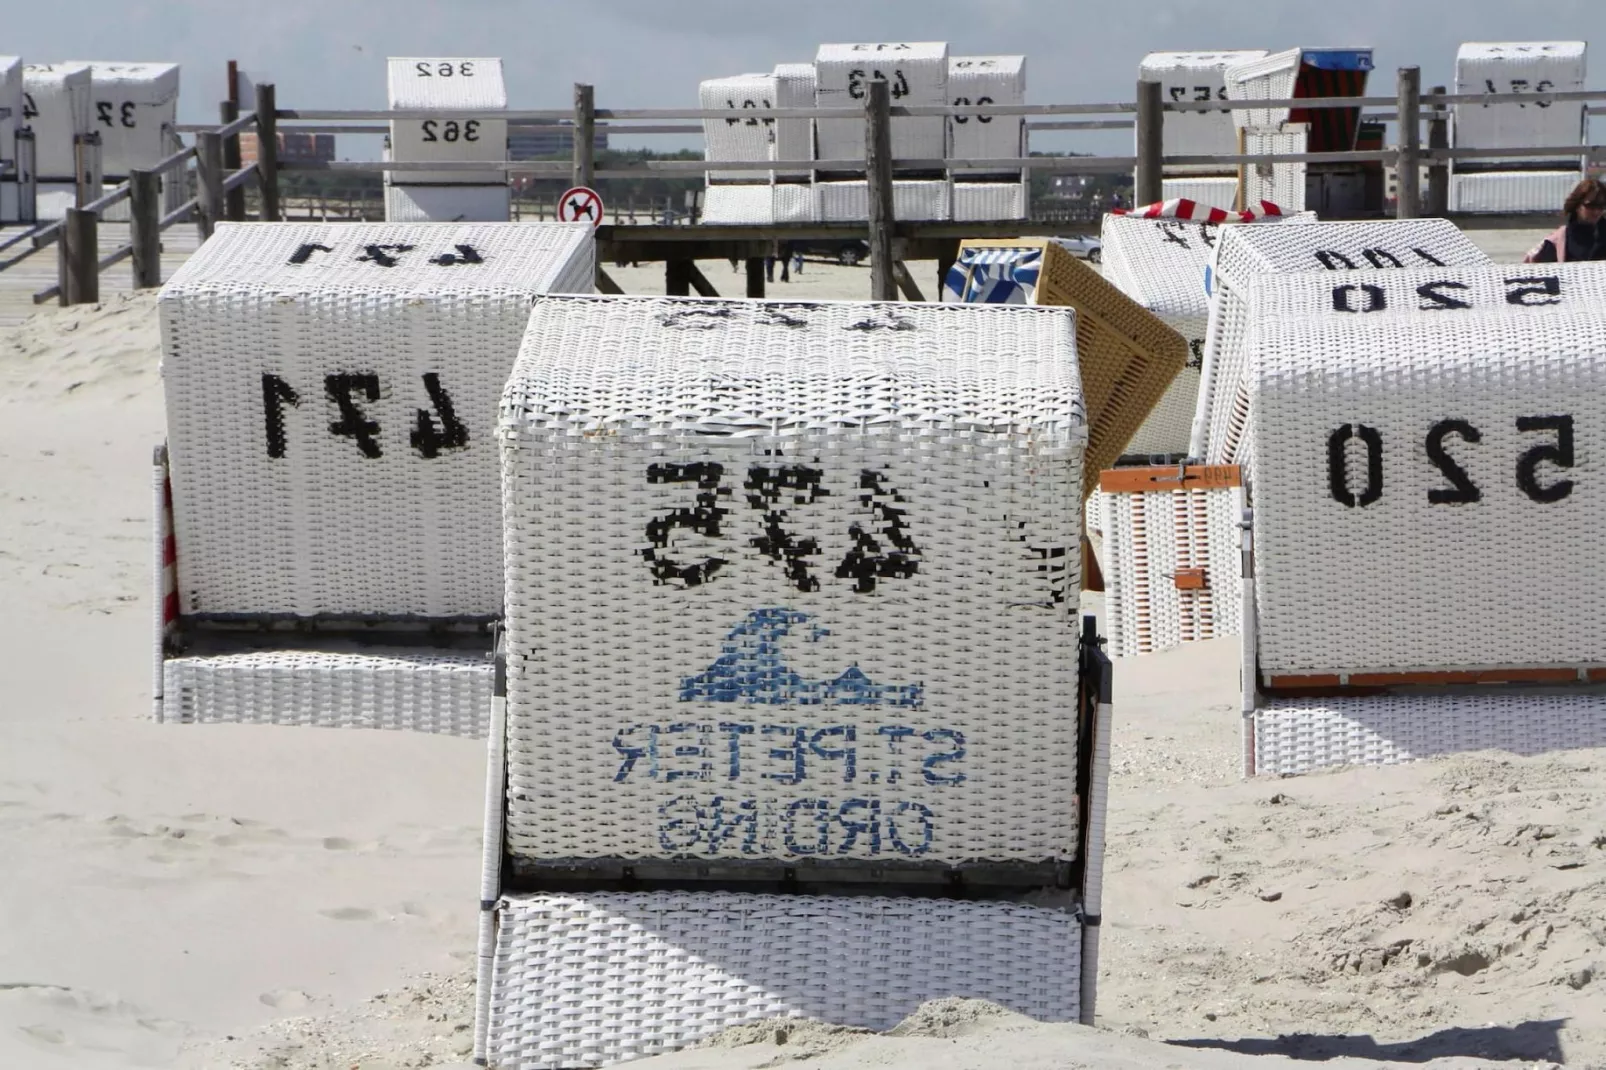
(1555, 450)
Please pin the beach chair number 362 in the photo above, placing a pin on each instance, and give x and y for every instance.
(880, 548)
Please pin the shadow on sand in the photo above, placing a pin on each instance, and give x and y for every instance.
(1530, 1040)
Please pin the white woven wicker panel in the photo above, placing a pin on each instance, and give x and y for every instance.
(918, 74)
(1283, 184)
(984, 201)
(1511, 191)
(1196, 76)
(1301, 736)
(309, 370)
(849, 525)
(448, 84)
(913, 200)
(986, 80)
(737, 137)
(795, 84)
(1146, 539)
(448, 204)
(52, 199)
(11, 104)
(1170, 423)
(442, 693)
(57, 103)
(1246, 253)
(784, 202)
(132, 102)
(1423, 488)
(1268, 77)
(1217, 192)
(585, 981)
(1519, 67)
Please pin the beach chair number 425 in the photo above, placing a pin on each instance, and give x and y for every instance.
(880, 549)
(432, 432)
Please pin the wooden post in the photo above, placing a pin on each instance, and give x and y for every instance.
(268, 152)
(945, 263)
(80, 258)
(208, 182)
(699, 281)
(906, 281)
(145, 214)
(755, 276)
(1243, 173)
(677, 279)
(1407, 163)
(234, 199)
(1148, 186)
(878, 173)
(585, 134)
(1439, 170)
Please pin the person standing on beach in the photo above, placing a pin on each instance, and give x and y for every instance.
(1582, 237)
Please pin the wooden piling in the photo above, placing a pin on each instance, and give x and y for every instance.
(1438, 202)
(1407, 163)
(145, 236)
(755, 276)
(234, 199)
(1148, 184)
(677, 277)
(80, 258)
(878, 173)
(208, 182)
(267, 114)
(585, 134)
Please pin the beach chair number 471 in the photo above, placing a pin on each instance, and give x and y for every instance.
(347, 391)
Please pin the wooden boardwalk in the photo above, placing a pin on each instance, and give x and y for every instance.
(19, 282)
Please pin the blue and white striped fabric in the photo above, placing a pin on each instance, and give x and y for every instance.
(994, 276)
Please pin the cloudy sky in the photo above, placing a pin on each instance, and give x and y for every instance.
(640, 53)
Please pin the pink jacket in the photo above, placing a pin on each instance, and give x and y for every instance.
(1558, 238)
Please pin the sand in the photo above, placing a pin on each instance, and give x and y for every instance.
(236, 896)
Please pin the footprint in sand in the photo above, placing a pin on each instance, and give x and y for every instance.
(337, 843)
(286, 999)
(349, 914)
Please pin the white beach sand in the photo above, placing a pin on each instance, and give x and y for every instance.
(230, 896)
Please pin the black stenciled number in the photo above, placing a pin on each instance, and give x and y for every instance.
(304, 253)
(1201, 94)
(1338, 465)
(444, 70)
(276, 394)
(1380, 258)
(107, 111)
(430, 126)
(427, 438)
(1559, 453)
(1172, 232)
(961, 102)
(423, 69)
(1462, 491)
(1177, 91)
(1546, 288)
(30, 110)
(1196, 353)
(103, 111)
(703, 518)
(381, 254)
(1428, 257)
(1434, 299)
(353, 422)
(1544, 85)
(1334, 261)
(884, 550)
(126, 114)
(1373, 300)
(769, 490)
(466, 254)
(981, 102)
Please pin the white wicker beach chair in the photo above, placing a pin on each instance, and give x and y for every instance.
(1425, 528)
(330, 549)
(1506, 184)
(791, 607)
(419, 83)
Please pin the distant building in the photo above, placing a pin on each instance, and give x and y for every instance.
(298, 148)
(535, 139)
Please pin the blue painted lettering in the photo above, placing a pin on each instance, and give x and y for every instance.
(681, 827)
(734, 734)
(792, 754)
(699, 749)
(846, 754)
(818, 812)
(899, 824)
(954, 754)
(856, 816)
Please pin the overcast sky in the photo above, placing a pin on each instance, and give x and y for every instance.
(639, 53)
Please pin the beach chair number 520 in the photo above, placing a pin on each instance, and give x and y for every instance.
(347, 391)
(880, 549)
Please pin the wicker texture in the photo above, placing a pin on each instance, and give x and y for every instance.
(866, 514)
(589, 981)
(1244, 254)
(976, 202)
(1195, 76)
(418, 83)
(1301, 736)
(1148, 539)
(784, 202)
(1417, 575)
(918, 73)
(260, 352)
(63, 97)
(448, 204)
(1508, 192)
(795, 84)
(736, 137)
(1517, 67)
(1129, 357)
(1214, 191)
(441, 693)
(986, 80)
(1283, 184)
(912, 201)
(132, 102)
(1266, 77)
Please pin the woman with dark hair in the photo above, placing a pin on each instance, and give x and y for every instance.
(1581, 237)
